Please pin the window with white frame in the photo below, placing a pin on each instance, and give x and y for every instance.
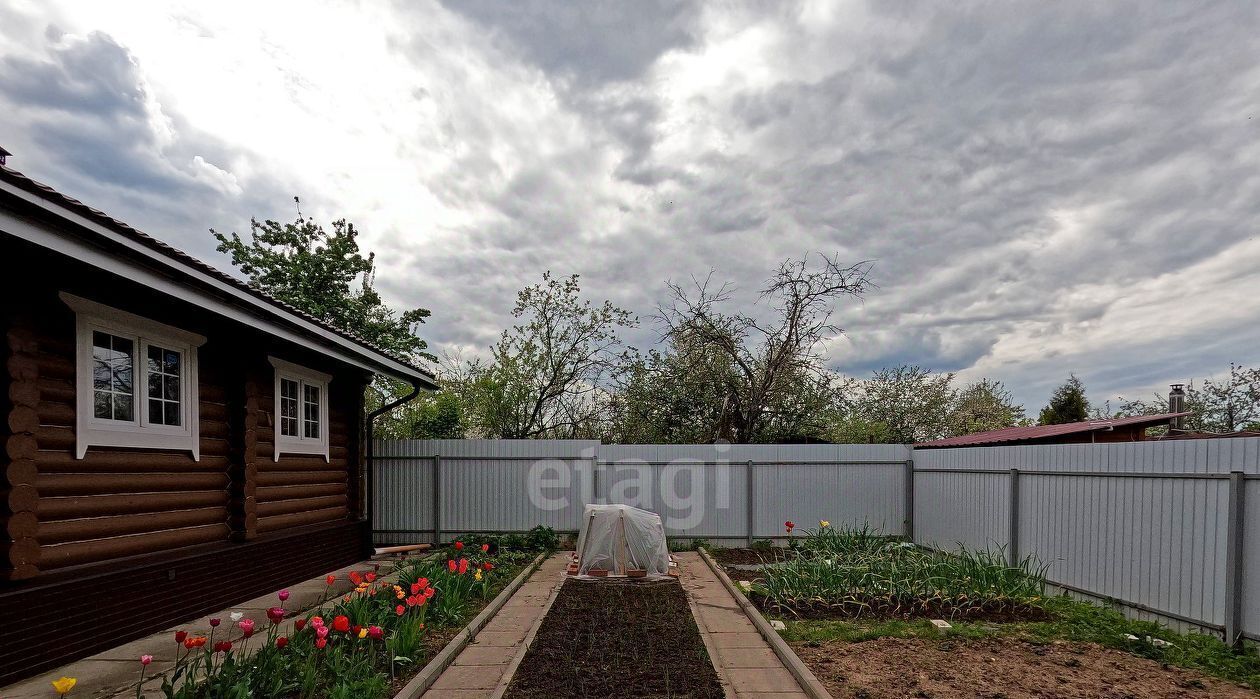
(136, 380)
(301, 422)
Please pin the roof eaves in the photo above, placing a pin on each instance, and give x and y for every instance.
(191, 264)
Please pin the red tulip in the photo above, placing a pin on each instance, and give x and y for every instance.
(790, 526)
(459, 546)
(488, 566)
(411, 601)
(299, 624)
(341, 623)
(354, 630)
(330, 579)
(283, 595)
(275, 614)
(370, 577)
(222, 646)
(356, 578)
(428, 592)
(180, 636)
(463, 566)
(375, 633)
(451, 564)
(215, 622)
(320, 643)
(485, 548)
(282, 641)
(400, 610)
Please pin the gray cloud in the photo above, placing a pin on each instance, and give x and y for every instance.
(1045, 188)
(588, 43)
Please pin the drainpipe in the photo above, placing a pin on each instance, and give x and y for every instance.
(371, 418)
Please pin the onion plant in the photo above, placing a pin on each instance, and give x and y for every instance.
(855, 572)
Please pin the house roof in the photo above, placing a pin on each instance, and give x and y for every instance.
(130, 251)
(1014, 435)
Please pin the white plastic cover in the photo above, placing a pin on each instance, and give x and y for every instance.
(618, 538)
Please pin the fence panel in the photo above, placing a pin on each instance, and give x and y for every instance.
(1143, 523)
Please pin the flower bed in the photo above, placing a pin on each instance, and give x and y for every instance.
(847, 573)
(363, 645)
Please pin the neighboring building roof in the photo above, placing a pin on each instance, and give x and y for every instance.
(93, 232)
(1012, 435)
(1175, 435)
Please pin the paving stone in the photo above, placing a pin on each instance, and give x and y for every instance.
(500, 638)
(458, 694)
(738, 639)
(761, 680)
(718, 620)
(747, 657)
(469, 677)
(487, 655)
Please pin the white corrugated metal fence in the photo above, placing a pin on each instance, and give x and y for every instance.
(1159, 526)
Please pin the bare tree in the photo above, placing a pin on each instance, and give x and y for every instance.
(771, 356)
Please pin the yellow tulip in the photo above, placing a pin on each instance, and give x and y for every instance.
(64, 685)
(362, 633)
(824, 523)
(477, 575)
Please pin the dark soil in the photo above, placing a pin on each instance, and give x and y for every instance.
(617, 638)
(889, 668)
(751, 556)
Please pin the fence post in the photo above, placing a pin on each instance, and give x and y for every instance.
(749, 513)
(437, 499)
(1234, 523)
(595, 480)
(909, 504)
(1012, 551)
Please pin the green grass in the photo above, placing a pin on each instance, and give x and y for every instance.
(1072, 621)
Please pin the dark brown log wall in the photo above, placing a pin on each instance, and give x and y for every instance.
(121, 502)
(100, 550)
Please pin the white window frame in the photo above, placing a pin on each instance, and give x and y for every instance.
(288, 444)
(91, 431)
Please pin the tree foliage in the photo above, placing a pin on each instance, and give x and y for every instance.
(1221, 405)
(325, 274)
(545, 377)
(982, 406)
(766, 360)
(903, 404)
(1067, 404)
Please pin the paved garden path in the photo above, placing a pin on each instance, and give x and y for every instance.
(484, 668)
(744, 661)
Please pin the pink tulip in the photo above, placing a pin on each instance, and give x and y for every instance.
(246, 626)
(321, 631)
(375, 633)
(284, 595)
(146, 659)
(215, 622)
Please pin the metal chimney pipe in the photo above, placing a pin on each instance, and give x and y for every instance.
(1177, 404)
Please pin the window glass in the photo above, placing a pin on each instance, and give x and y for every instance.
(164, 368)
(113, 363)
(288, 407)
(310, 416)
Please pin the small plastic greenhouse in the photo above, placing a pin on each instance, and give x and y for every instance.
(621, 540)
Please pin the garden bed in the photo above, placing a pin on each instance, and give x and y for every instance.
(894, 668)
(622, 638)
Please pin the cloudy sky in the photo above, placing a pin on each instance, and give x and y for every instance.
(1045, 187)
